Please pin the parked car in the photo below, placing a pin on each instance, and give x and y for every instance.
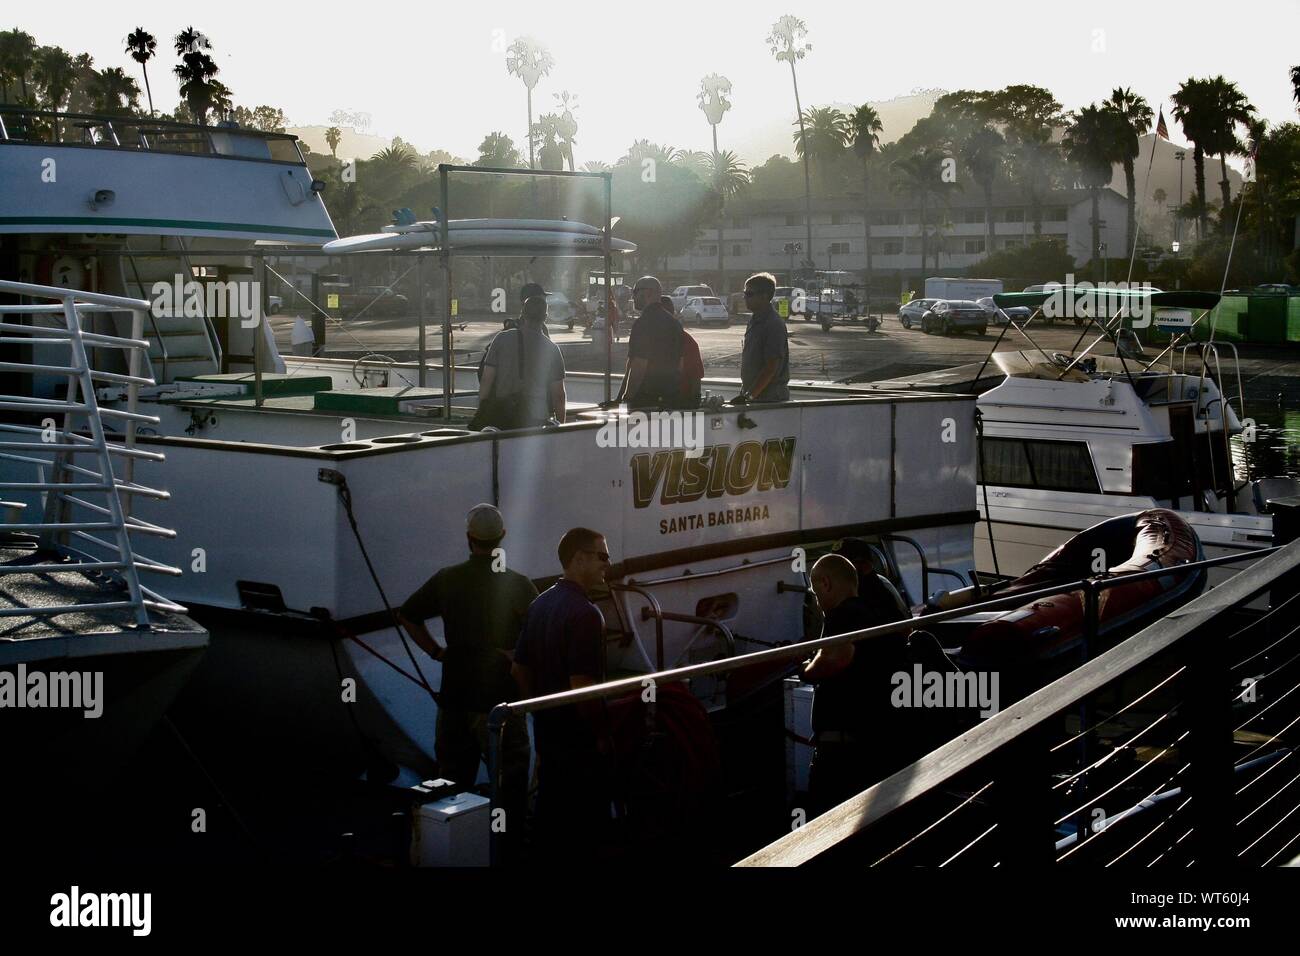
(705, 309)
(736, 304)
(372, 301)
(955, 315)
(684, 292)
(1017, 313)
(274, 304)
(910, 314)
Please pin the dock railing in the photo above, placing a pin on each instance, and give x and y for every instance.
(1188, 723)
(64, 428)
(1010, 743)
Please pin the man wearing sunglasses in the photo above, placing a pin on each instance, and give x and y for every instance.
(765, 360)
(562, 648)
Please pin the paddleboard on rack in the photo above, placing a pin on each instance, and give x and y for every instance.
(483, 241)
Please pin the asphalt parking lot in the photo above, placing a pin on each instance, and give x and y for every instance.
(846, 352)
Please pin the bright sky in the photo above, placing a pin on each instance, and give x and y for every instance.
(435, 73)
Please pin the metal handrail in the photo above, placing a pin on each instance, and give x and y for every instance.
(81, 399)
(1094, 585)
(658, 616)
(148, 122)
(708, 622)
(1025, 716)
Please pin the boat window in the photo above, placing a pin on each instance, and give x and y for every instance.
(1049, 465)
(1005, 462)
(1062, 466)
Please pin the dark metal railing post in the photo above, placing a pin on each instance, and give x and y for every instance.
(1209, 747)
(1022, 797)
(496, 733)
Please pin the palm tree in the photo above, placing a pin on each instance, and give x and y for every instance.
(643, 149)
(56, 73)
(1135, 114)
(1093, 142)
(824, 132)
(566, 125)
(141, 45)
(1194, 110)
(395, 158)
(546, 134)
(113, 92)
(530, 61)
(17, 58)
(197, 73)
(728, 176)
(918, 177)
(1230, 109)
(984, 151)
(864, 133)
(333, 136)
(198, 86)
(713, 101)
(786, 41)
(190, 40)
(596, 166)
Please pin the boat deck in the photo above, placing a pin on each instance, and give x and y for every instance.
(37, 636)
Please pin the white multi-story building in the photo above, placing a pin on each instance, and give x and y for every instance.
(757, 234)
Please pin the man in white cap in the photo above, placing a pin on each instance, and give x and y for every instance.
(483, 606)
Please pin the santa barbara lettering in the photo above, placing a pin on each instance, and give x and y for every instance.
(718, 470)
(711, 519)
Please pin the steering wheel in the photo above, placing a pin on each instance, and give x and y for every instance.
(369, 355)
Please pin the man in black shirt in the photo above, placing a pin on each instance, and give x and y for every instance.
(855, 728)
(483, 606)
(654, 351)
(562, 648)
(765, 360)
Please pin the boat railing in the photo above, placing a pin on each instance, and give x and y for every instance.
(71, 429)
(1093, 588)
(1161, 750)
(142, 133)
(1208, 352)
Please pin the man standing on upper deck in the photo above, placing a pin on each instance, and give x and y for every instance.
(654, 351)
(765, 361)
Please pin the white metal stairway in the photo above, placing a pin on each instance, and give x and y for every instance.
(180, 345)
(87, 525)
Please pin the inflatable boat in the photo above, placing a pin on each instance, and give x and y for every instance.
(1048, 628)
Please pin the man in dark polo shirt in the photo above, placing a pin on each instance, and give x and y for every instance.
(856, 729)
(483, 606)
(562, 648)
(765, 361)
(654, 351)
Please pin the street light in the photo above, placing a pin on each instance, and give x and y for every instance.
(1175, 246)
(1179, 155)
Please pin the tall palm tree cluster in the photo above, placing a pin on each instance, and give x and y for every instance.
(50, 78)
